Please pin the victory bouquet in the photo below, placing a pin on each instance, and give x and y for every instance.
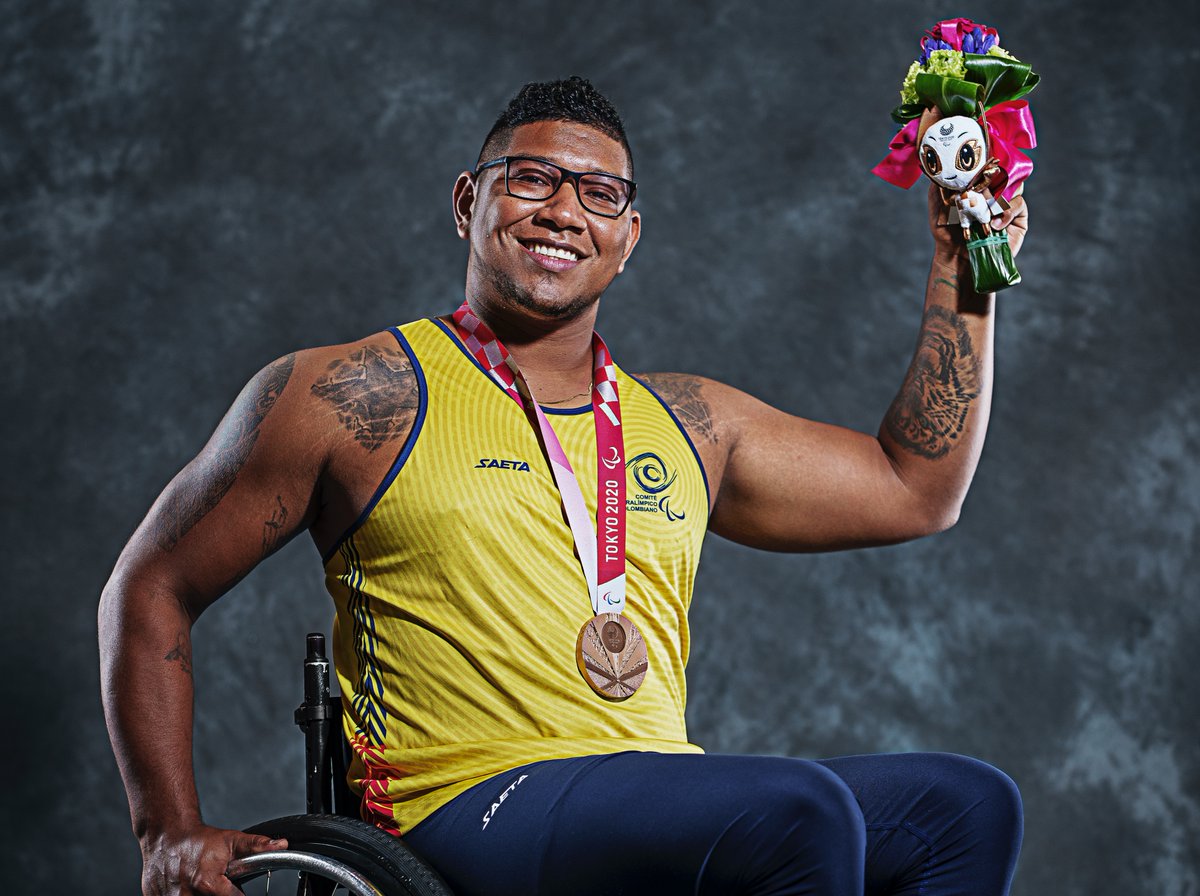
(964, 125)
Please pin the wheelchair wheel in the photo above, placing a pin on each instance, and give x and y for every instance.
(328, 852)
(308, 873)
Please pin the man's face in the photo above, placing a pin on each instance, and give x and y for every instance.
(517, 245)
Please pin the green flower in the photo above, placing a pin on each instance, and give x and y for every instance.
(947, 63)
(908, 90)
(998, 50)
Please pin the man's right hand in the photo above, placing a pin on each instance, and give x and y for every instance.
(194, 862)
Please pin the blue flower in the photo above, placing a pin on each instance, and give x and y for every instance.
(978, 42)
(930, 44)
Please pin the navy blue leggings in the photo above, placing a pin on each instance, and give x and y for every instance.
(933, 824)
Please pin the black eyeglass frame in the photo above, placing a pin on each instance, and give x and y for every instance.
(567, 174)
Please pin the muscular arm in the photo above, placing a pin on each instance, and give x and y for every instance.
(781, 482)
(223, 513)
(276, 464)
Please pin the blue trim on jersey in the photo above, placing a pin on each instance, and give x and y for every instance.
(687, 438)
(368, 701)
(585, 409)
(405, 450)
(457, 343)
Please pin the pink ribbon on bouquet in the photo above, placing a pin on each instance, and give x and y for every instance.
(1010, 129)
(952, 31)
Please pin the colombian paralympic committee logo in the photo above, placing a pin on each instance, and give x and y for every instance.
(652, 478)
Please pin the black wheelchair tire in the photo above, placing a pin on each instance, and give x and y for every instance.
(384, 860)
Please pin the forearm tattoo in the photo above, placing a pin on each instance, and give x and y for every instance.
(374, 392)
(181, 653)
(930, 412)
(683, 395)
(204, 488)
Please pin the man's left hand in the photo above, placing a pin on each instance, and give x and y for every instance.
(1015, 221)
(948, 239)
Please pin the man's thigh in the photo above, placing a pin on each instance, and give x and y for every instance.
(641, 823)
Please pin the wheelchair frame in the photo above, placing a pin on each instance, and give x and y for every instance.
(330, 847)
(326, 753)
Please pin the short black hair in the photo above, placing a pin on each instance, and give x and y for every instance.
(573, 99)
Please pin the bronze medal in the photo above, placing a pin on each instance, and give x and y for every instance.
(611, 654)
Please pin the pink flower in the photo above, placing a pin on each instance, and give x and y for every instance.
(952, 31)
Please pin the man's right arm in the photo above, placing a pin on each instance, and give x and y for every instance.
(250, 490)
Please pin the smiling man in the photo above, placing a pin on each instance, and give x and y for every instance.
(510, 526)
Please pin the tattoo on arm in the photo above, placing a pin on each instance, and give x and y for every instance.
(375, 394)
(273, 527)
(683, 395)
(202, 491)
(181, 653)
(930, 412)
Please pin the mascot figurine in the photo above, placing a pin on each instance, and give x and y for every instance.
(963, 125)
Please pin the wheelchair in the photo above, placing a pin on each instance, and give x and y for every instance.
(329, 849)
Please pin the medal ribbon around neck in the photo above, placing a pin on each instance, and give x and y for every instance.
(601, 548)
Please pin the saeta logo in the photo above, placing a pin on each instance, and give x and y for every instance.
(487, 816)
(495, 463)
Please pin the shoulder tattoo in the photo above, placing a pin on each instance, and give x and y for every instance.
(930, 411)
(684, 395)
(374, 392)
(202, 490)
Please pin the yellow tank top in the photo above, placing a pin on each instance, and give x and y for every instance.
(459, 597)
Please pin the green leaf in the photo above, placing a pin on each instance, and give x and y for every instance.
(906, 112)
(1002, 79)
(950, 95)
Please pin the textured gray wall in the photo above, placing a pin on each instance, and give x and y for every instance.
(192, 189)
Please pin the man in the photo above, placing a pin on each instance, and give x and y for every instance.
(518, 752)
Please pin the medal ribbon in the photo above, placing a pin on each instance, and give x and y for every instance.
(601, 548)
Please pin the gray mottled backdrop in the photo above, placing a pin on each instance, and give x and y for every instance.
(193, 189)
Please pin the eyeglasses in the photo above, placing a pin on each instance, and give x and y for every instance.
(602, 194)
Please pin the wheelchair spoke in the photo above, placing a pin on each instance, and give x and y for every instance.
(311, 886)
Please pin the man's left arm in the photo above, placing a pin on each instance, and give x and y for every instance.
(785, 483)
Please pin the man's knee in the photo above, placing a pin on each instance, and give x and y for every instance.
(799, 829)
(989, 785)
(989, 795)
(818, 803)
